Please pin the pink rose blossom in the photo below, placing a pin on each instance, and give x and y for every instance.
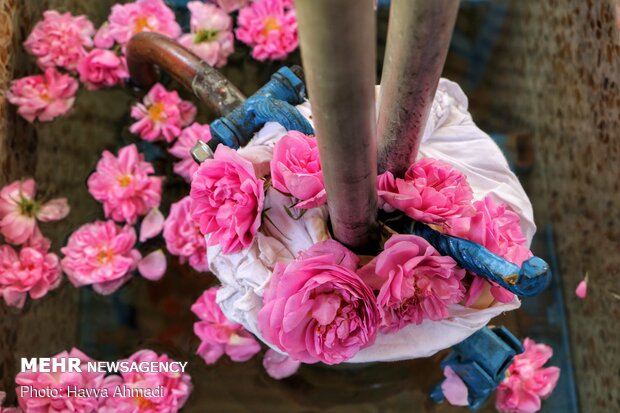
(60, 40)
(211, 36)
(527, 381)
(498, 229)
(19, 212)
(269, 28)
(415, 282)
(32, 272)
(431, 192)
(183, 237)
(279, 366)
(296, 169)
(125, 185)
(61, 382)
(43, 97)
(181, 149)
(140, 16)
(102, 68)
(176, 388)
(317, 308)
(227, 200)
(161, 115)
(218, 335)
(100, 254)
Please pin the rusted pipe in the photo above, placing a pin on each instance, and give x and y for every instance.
(419, 34)
(338, 52)
(147, 50)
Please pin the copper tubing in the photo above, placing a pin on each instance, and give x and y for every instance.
(419, 34)
(145, 51)
(338, 52)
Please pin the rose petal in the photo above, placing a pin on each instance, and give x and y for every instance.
(279, 366)
(454, 389)
(152, 224)
(54, 210)
(582, 288)
(153, 266)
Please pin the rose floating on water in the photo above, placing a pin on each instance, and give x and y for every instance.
(102, 68)
(269, 27)
(227, 200)
(527, 380)
(183, 237)
(125, 185)
(218, 335)
(317, 308)
(161, 115)
(415, 282)
(182, 147)
(211, 36)
(19, 211)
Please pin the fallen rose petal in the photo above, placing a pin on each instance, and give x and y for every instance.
(54, 210)
(152, 224)
(279, 366)
(454, 389)
(153, 266)
(582, 289)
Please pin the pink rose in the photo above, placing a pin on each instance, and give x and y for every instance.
(527, 381)
(60, 40)
(431, 192)
(317, 308)
(102, 68)
(415, 282)
(101, 254)
(182, 147)
(33, 272)
(161, 115)
(43, 97)
(296, 169)
(19, 212)
(125, 185)
(218, 335)
(176, 388)
(211, 36)
(139, 16)
(183, 237)
(227, 200)
(498, 229)
(269, 27)
(61, 382)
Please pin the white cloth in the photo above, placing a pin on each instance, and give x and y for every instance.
(450, 135)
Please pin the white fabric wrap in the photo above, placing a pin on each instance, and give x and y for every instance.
(450, 135)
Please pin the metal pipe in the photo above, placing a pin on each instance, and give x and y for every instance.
(419, 34)
(145, 51)
(338, 52)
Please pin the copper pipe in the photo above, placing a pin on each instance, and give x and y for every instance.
(338, 51)
(145, 51)
(419, 34)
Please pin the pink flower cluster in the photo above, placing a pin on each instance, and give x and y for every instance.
(414, 281)
(317, 308)
(181, 149)
(176, 388)
(218, 335)
(183, 237)
(60, 40)
(161, 115)
(527, 380)
(227, 200)
(269, 27)
(125, 185)
(432, 191)
(211, 36)
(100, 254)
(296, 169)
(43, 97)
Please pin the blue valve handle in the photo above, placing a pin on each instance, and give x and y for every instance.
(528, 280)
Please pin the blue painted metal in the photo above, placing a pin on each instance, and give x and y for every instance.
(274, 102)
(528, 280)
(481, 361)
